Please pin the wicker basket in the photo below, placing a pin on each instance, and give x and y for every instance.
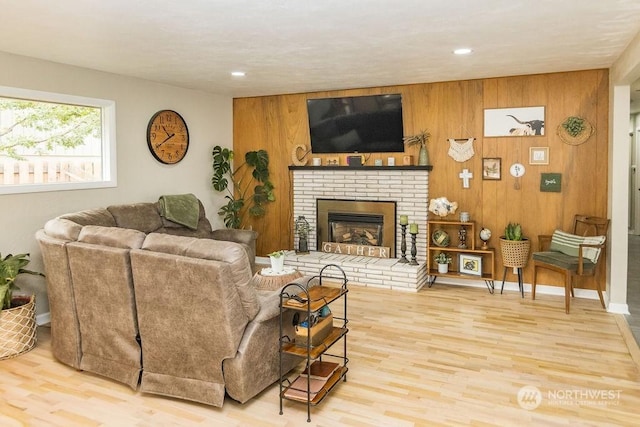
(580, 138)
(515, 253)
(18, 329)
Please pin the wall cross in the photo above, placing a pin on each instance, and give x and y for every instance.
(465, 175)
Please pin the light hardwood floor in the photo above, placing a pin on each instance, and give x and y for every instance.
(448, 355)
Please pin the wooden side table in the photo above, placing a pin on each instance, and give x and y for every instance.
(267, 280)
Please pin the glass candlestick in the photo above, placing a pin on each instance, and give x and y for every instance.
(403, 244)
(414, 249)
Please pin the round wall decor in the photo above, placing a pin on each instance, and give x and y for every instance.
(575, 130)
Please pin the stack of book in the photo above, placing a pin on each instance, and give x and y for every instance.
(312, 379)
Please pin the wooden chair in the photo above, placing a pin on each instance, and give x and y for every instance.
(574, 254)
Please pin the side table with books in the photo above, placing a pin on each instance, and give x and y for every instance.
(316, 333)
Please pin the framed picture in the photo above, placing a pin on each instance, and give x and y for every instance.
(525, 121)
(470, 264)
(539, 155)
(551, 182)
(492, 168)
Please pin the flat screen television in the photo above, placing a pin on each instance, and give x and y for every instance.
(356, 124)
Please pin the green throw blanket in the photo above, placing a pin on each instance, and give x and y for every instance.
(183, 209)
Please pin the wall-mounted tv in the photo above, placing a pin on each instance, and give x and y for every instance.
(356, 124)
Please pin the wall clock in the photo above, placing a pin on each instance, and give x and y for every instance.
(168, 136)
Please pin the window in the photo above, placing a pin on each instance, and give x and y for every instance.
(52, 142)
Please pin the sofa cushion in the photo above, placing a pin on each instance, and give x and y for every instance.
(64, 229)
(569, 244)
(138, 216)
(115, 237)
(231, 253)
(99, 216)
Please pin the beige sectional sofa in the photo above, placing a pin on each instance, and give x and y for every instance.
(161, 307)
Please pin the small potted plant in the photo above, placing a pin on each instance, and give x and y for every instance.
(443, 260)
(277, 261)
(17, 313)
(514, 246)
(420, 139)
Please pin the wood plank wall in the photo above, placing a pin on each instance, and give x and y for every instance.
(455, 110)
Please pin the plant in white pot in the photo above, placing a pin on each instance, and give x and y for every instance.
(277, 261)
(443, 260)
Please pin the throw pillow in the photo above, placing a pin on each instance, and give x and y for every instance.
(569, 244)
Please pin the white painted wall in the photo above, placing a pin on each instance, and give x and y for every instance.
(625, 70)
(140, 176)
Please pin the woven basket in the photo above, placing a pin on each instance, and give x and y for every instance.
(18, 329)
(580, 138)
(515, 253)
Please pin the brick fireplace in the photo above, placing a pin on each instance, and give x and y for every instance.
(406, 186)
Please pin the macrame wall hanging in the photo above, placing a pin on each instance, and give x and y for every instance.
(461, 150)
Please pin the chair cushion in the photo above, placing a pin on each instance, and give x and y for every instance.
(569, 243)
(559, 259)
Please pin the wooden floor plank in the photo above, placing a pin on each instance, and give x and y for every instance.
(447, 355)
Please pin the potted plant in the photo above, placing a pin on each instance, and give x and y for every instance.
(277, 261)
(443, 260)
(514, 246)
(240, 201)
(420, 139)
(17, 315)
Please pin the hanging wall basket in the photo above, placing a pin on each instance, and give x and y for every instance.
(575, 130)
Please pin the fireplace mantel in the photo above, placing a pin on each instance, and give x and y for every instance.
(356, 168)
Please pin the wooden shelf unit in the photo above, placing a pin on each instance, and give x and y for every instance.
(308, 299)
(452, 228)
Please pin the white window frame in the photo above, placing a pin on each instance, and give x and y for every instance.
(109, 169)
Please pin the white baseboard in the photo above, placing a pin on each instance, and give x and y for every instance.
(618, 308)
(43, 319)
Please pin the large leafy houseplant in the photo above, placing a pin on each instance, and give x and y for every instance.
(10, 267)
(244, 196)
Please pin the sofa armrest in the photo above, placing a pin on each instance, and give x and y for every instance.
(244, 237)
(247, 237)
(269, 305)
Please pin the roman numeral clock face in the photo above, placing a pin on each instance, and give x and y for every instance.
(168, 136)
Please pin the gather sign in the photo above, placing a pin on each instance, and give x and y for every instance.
(356, 250)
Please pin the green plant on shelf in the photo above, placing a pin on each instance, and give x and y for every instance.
(442, 258)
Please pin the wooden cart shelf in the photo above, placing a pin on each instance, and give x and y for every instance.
(310, 296)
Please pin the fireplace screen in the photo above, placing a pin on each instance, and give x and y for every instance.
(354, 222)
(357, 229)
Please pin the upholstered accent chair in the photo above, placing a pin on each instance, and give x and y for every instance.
(574, 255)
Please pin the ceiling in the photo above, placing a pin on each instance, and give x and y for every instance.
(290, 46)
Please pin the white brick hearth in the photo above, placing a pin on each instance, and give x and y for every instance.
(407, 186)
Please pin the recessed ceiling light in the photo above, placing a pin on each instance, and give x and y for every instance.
(463, 51)
(238, 73)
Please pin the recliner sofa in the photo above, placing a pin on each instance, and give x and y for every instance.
(155, 305)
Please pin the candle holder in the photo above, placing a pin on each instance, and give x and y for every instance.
(414, 249)
(403, 245)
